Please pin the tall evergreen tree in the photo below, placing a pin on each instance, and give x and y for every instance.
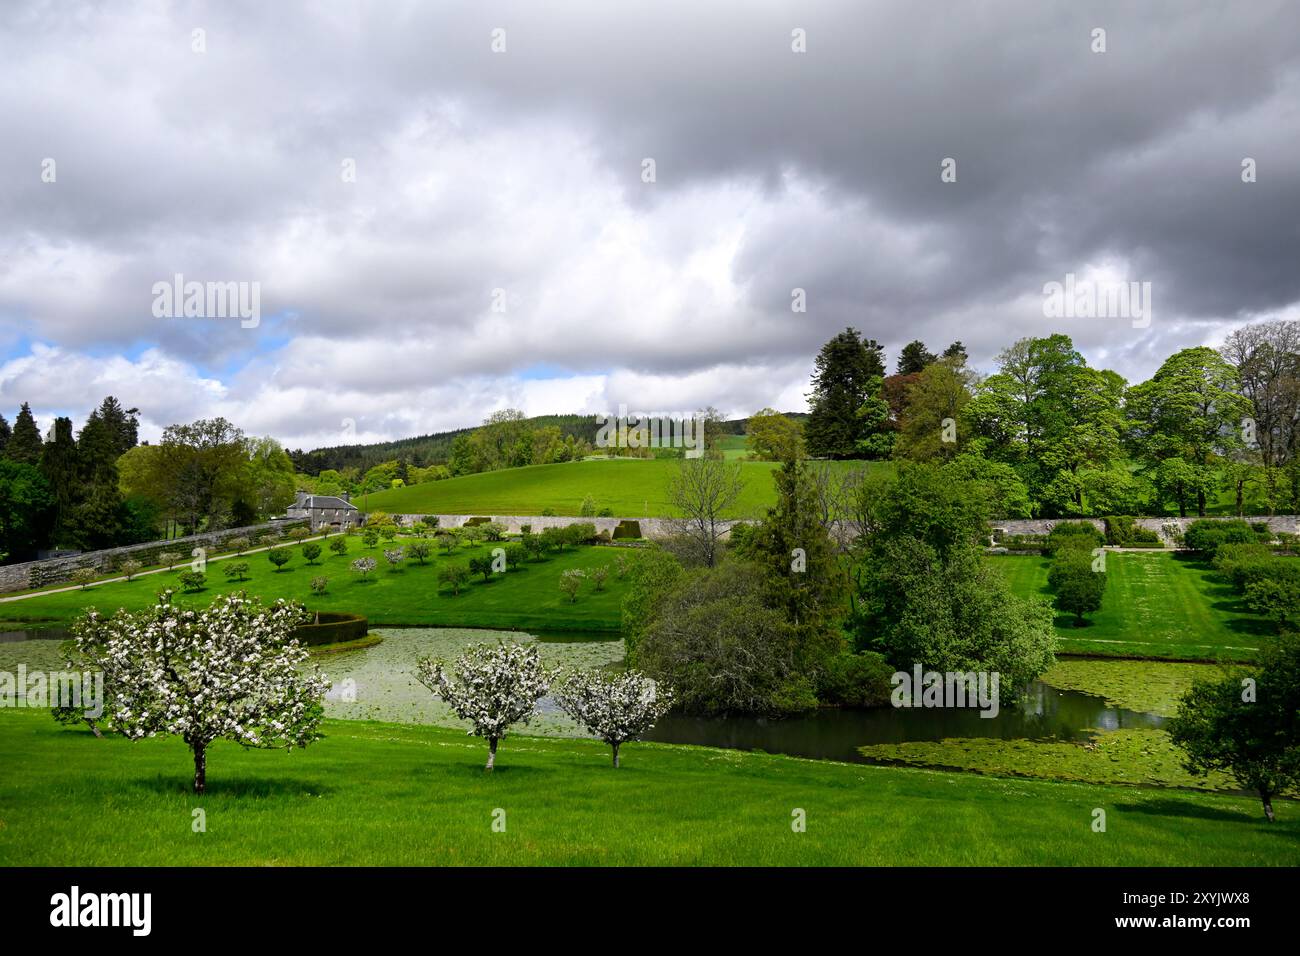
(5, 432)
(847, 368)
(59, 466)
(914, 358)
(24, 444)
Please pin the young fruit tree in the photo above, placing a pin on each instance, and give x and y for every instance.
(231, 670)
(496, 686)
(615, 709)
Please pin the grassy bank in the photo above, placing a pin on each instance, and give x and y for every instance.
(374, 793)
(629, 487)
(1155, 606)
(529, 598)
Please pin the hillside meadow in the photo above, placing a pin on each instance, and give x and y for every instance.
(389, 794)
(629, 487)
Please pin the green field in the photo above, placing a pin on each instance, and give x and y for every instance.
(630, 487)
(529, 598)
(1156, 605)
(374, 793)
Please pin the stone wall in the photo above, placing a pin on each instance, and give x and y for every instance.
(662, 527)
(1169, 529)
(650, 527)
(38, 574)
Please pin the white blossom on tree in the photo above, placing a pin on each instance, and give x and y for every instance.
(496, 687)
(363, 566)
(227, 671)
(615, 709)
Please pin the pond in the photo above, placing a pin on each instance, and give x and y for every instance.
(378, 683)
(1045, 713)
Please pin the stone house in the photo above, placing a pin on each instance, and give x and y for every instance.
(336, 512)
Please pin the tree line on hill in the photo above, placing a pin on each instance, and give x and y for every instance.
(1067, 439)
(101, 488)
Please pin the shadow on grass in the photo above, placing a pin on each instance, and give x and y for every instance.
(1066, 622)
(1170, 807)
(243, 788)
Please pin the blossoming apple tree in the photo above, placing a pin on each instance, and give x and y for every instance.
(496, 686)
(615, 709)
(230, 671)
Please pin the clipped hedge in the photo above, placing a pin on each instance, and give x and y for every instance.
(332, 627)
(627, 529)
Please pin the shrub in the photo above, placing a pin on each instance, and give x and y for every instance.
(235, 570)
(446, 542)
(1239, 562)
(598, 576)
(279, 557)
(339, 545)
(394, 557)
(419, 550)
(1073, 534)
(319, 585)
(494, 531)
(193, 580)
(297, 534)
(476, 521)
(548, 512)
(364, 566)
(605, 513)
(1123, 531)
(583, 532)
(515, 554)
(571, 581)
(370, 537)
(430, 522)
(525, 529)
(455, 576)
(238, 544)
(472, 535)
(620, 565)
(588, 507)
(1277, 599)
(130, 568)
(388, 532)
(169, 558)
(1077, 585)
(1206, 536)
(311, 551)
(83, 577)
(857, 680)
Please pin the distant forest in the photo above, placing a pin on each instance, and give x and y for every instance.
(425, 450)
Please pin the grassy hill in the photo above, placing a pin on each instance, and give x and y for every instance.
(374, 793)
(631, 487)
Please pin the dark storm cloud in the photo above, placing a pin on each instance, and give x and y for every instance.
(521, 171)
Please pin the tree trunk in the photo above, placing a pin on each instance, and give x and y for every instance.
(1200, 504)
(614, 747)
(200, 766)
(492, 753)
(1267, 798)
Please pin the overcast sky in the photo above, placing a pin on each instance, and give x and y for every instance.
(522, 171)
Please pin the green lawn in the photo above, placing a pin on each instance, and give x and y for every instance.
(529, 598)
(373, 793)
(630, 487)
(1156, 605)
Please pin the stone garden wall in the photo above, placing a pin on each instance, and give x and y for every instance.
(38, 574)
(1169, 529)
